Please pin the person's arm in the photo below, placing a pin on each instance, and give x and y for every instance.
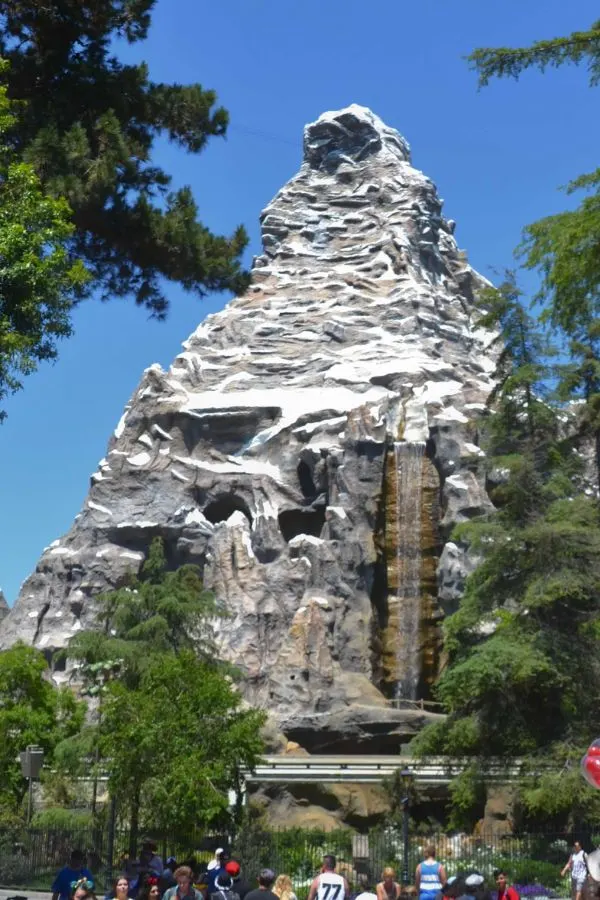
(346, 889)
(418, 878)
(313, 889)
(379, 890)
(442, 875)
(567, 867)
(56, 886)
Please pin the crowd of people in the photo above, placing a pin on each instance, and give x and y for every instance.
(148, 878)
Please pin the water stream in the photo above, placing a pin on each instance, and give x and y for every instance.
(409, 467)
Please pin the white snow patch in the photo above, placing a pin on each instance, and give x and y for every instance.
(322, 424)
(435, 391)
(146, 440)
(121, 425)
(143, 523)
(338, 511)
(62, 551)
(32, 615)
(195, 517)
(457, 482)
(161, 433)
(178, 475)
(130, 554)
(300, 539)
(248, 466)
(139, 459)
(99, 508)
(451, 414)
(473, 449)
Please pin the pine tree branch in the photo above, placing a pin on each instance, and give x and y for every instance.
(506, 62)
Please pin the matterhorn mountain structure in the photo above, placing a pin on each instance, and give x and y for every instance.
(310, 449)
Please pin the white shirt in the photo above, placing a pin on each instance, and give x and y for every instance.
(331, 887)
(578, 866)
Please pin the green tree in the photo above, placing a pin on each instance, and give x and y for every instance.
(157, 618)
(179, 740)
(88, 124)
(523, 679)
(32, 711)
(38, 280)
(155, 612)
(565, 248)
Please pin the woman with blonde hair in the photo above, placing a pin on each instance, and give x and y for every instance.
(284, 888)
(388, 888)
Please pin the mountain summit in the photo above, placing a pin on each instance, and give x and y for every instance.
(310, 449)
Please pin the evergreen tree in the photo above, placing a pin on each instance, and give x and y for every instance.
(565, 248)
(87, 124)
(38, 281)
(155, 612)
(161, 691)
(523, 679)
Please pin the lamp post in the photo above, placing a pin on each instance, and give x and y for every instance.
(31, 765)
(406, 779)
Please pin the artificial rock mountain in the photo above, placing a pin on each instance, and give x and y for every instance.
(268, 454)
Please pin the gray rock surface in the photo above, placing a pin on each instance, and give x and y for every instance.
(259, 455)
(4, 607)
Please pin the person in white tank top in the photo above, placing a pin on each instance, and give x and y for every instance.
(329, 885)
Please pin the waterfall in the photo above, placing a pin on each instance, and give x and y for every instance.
(409, 463)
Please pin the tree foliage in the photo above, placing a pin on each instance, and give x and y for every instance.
(38, 279)
(88, 123)
(171, 729)
(565, 248)
(32, 711)
(178, 742)
(523, 679)
(158, 611)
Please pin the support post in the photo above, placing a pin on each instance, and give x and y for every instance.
(110, 844)
(405, 874)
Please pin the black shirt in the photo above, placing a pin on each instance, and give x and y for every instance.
(242, 888)
(259, 894)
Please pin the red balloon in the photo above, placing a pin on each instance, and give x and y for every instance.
(590, 765)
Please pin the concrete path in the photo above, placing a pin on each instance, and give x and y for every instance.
(31, 895)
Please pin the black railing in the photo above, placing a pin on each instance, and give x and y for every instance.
(30, 858)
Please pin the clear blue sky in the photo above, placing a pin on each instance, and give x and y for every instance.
(497, 156)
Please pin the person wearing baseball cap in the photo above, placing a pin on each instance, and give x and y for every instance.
(240, 885)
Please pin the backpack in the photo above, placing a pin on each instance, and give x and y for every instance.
(224, 894)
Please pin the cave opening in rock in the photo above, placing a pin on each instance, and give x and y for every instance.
(293, 522)
(307, 484)
(224, 506)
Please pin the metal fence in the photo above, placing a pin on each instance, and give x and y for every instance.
(31, 857)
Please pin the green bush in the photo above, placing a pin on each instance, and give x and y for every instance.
(62, 819)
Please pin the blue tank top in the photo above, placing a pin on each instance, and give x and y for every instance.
(430, 880)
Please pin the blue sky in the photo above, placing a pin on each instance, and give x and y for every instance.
(497, 156)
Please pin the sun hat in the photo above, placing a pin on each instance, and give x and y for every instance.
(474, 880)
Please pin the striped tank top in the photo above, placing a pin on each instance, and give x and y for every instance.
(430, 880)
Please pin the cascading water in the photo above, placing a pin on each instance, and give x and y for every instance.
(409, 465)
